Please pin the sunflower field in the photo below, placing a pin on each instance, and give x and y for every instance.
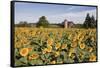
(43, 46)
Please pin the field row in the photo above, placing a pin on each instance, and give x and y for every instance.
(40, 46)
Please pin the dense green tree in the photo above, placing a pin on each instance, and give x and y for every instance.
(93, 22)
(89, 22)
(42, 22)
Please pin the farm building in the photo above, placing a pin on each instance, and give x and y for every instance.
(68, 24)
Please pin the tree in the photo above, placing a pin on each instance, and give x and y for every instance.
(93, 22)
(23, 23)
(87, 21)
(43, 22)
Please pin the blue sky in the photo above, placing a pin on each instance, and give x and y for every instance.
(31, 12)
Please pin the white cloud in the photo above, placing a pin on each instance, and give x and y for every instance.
(77, 17)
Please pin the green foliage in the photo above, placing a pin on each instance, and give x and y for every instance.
(18, 63)
(22, 24)
(89, 22)
(78, 25)
(42, 22)
(93, 22)
(36, 62)
(23, 60)
(55, 46)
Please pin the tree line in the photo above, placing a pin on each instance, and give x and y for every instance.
(89, 22)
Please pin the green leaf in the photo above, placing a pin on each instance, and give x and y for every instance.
(43, 57)
(70, 60)
(36, 62)
(32, 62)
(65, 57)
(34, 42)
(33, 52)
(16, 52)
(47, 55)
(18, 63)
(39, 62)
(59, 60)
(23, 60)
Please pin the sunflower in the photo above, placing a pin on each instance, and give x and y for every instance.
(50, 41)
(74, 44)
(70, 53)
(24, 52)
(92, 38)
(33, 56)
(49, 48)
(72, 50)
(57, 45)
(64, 46)
(81, 55)
(92, 57)
(33, 33)
(53, 62)
(69, 36)
(74, 39)
(24, 41)
(81, 37)
(82, 46)
(57, 53)
(17, 45)
(90, 49)
(78, 37)
(44, 50)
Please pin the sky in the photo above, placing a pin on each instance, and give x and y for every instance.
(31, 12)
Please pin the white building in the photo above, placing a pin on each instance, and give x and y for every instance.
(68, 24)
